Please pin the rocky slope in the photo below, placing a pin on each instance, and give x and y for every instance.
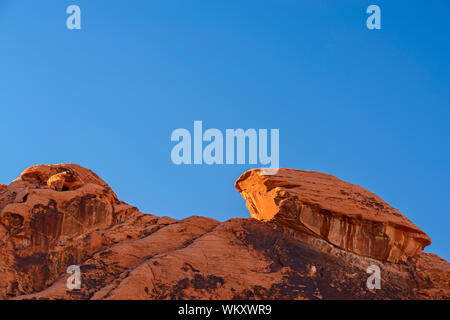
(312, 236)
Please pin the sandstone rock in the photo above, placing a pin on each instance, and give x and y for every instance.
(46, 205)
(346, 215)
(242, 259)
(56, 216)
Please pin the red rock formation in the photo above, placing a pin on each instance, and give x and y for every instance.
(43, 211)
(56, 216)
(346, 215)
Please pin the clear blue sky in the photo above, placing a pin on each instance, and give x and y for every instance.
(371, 107)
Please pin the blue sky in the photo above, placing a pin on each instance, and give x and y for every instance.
(371, 107)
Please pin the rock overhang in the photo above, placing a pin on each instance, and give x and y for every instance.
(346, 215)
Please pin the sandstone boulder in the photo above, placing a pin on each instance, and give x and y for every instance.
(346, 215)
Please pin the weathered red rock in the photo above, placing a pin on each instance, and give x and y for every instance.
(45, 208)
(346, 215)
(56, 216)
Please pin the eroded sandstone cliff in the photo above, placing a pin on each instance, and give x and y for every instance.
(313, 238)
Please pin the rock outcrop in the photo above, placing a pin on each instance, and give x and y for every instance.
(42, 215)
(346, 215)
(52, 217)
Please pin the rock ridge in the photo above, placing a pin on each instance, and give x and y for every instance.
(54, 216)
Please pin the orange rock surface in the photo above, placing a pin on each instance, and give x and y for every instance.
(55, 216)
(346, 215)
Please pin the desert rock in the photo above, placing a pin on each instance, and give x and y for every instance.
(346, 215)
(61, 215)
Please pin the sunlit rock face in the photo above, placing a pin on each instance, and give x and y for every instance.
(346, 215)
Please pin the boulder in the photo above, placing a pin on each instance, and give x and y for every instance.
(346, 215)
